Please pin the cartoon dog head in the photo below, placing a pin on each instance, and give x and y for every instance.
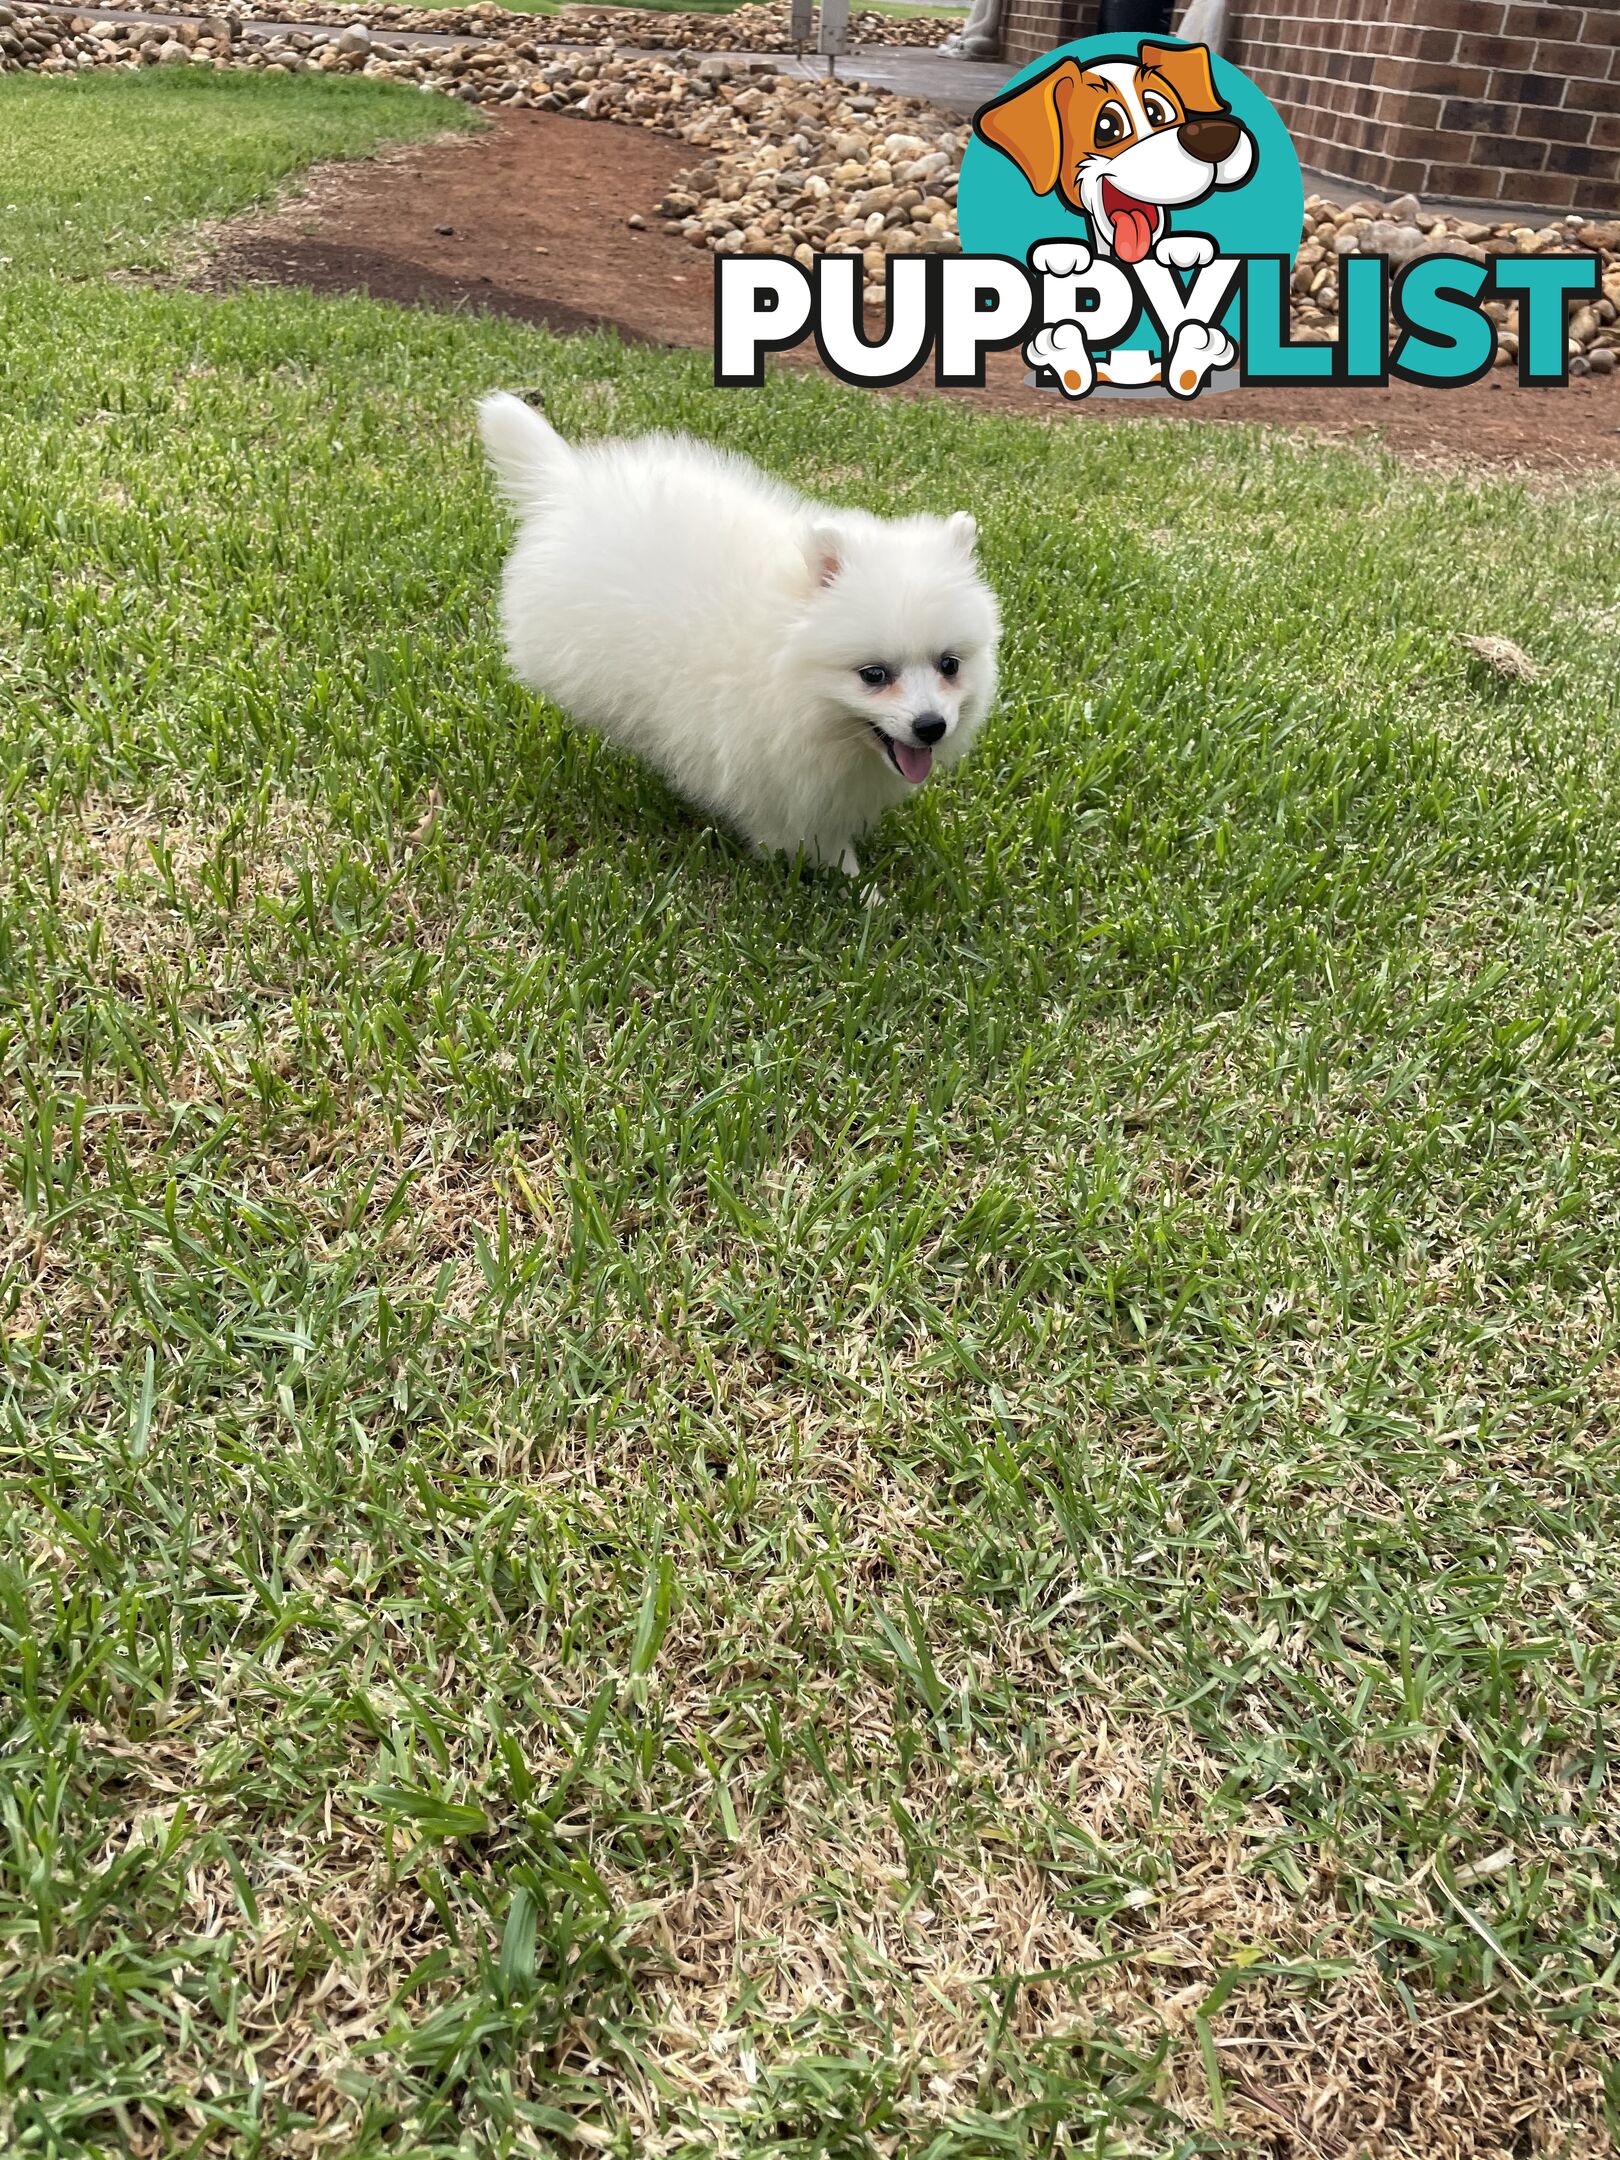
(1123, 141)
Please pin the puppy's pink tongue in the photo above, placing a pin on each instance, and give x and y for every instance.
(915, 761)
(1133, 233)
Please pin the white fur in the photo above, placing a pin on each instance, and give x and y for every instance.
(694, 611)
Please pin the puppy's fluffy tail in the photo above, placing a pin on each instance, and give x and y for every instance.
(529, 457)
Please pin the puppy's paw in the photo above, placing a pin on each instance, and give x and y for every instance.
(1062, 347)
(849, 861)
(871, 896)
(1061, 258)
(1199, 349)
(1185, 251)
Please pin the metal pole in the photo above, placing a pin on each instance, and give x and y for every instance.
(834, 37)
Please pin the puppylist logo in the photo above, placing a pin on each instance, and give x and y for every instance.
(1129, 213)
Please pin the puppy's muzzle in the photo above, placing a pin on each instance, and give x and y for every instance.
(1209, 139)
(928, 727)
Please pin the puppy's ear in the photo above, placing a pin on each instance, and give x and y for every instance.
(1187, 70)
(1027, 125)
(824, 552)
(963, 528)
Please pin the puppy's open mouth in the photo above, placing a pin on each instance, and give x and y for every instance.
(1135, 223)
(912, 761)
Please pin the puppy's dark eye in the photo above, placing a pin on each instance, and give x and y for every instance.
(1112, 125)
(875, 677)
(1159, 113)
(948, 665)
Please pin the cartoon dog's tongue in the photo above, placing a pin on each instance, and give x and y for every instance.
(1133, 223)
(915, 760)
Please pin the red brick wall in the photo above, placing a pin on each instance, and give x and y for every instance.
(1483, 101)
(1032, 27)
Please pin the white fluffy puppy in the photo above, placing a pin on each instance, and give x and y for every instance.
(793, 669)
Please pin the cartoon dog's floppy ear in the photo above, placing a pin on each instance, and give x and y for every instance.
(1187, 70)
(1027, 125)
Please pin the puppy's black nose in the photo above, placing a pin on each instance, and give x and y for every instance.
(1209, 140)
(929, 728)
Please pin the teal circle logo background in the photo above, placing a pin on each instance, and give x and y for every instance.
(999, 213)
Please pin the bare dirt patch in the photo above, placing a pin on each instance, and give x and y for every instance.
(530, 220)
(527, 220)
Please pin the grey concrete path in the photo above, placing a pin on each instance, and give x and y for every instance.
(911, 70)
(1473, 213)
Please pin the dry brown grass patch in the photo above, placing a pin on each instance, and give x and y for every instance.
(818, 1924)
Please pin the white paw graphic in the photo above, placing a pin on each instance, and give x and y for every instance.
(1062, 347)
(1185, 251)
(1198, 349)
(1061, 258)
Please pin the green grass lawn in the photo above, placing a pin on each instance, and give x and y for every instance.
(646, 1511)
